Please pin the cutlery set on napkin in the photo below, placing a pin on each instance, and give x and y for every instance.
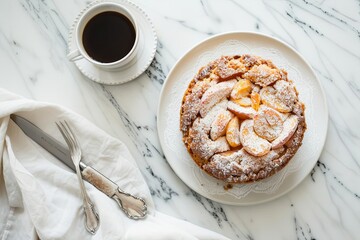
(40, 197)
(134, 207)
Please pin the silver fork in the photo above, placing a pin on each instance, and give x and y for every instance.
(92, 221)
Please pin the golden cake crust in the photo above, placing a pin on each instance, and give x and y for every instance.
(241, 118)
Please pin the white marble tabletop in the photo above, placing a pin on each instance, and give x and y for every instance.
(326, 205)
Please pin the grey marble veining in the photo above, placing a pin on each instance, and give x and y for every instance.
(326, 205)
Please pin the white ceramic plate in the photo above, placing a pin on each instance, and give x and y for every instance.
(310, 92)
(142, 60)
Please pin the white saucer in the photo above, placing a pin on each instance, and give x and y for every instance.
(137, 66)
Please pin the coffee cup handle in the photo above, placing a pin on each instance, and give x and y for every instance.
(74, 55)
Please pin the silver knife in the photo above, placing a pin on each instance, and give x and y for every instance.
(134, 207)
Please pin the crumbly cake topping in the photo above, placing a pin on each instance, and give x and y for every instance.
(241, 118)
(262, 75)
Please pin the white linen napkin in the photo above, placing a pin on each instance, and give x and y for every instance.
(40, 197)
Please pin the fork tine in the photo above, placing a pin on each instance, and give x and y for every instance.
(72, 135)
(73, 139)
(70, 138)
(64, 133)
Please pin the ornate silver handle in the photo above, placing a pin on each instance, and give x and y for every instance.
(91, 216)
(134, 207)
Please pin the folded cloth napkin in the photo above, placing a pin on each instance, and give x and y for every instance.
(40, 197)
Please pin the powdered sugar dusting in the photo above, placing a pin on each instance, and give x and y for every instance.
(215, 94)
(241, 112)
(290, 126)
(191, 105)
(240, 165)
(251, 142)
(263, 75)
(268, 123)
(285, 93)
(201, 144)
(218, 126)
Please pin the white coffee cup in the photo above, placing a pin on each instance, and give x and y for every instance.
(90, 13)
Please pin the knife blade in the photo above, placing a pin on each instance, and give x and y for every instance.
(134, 207)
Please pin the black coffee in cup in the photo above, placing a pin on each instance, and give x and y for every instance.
(108, 37)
